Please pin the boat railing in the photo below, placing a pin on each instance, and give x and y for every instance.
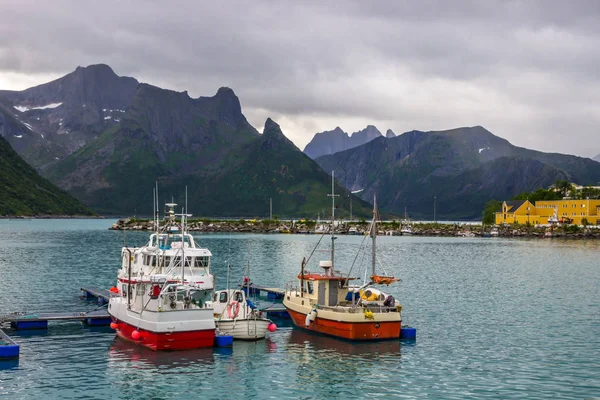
(348, 307)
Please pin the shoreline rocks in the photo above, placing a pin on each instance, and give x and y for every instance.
(359, 228)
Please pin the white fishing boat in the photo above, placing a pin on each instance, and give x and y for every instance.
(163, 296)
(238, 317)
(406, 230)
(553, 219)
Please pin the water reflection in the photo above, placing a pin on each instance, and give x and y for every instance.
(9, 364)
(304, 341)
(122, 352)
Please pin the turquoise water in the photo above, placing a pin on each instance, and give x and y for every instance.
(495, 318)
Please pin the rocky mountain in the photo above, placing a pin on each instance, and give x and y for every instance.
(330, 142)
(390, 134)
(24, 192)
(46, 123)
(462, 168)
(205, 144)
(597, 158)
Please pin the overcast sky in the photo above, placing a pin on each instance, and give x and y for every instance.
(528, 71)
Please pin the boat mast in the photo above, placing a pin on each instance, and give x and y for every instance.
(374, 233)
(248, 276)
(183, 215)
(333, 196)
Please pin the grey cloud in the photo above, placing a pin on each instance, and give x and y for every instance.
(527, 70)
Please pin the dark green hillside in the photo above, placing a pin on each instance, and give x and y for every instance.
(24, 192)
(272, 167)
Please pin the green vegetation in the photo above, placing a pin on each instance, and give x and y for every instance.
(560, 189)
(539, 194)
(24, 192)
(490, 210)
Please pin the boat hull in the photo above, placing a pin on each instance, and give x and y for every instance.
(359, 331)
(244, 329)
(167, 340)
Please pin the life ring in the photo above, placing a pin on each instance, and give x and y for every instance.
(230, 309)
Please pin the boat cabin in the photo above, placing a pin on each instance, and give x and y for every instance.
(231, 304)
(326, 288)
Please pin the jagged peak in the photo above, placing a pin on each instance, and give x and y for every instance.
(146, 88)
(368, 129)
(225, 91)
(96, 68)
(272, 128)
(390, 134)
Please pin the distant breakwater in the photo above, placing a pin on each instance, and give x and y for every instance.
(360, 228)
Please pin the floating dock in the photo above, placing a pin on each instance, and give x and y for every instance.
(8, 348)
(102, 295)
(276, 310)
(272, 293)
(21, 321)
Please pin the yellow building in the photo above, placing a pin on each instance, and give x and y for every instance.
(567, 211)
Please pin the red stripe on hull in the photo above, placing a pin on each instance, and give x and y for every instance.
(168, 341)
(366, 331)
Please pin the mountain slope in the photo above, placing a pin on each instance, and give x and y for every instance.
(205, 144)
(24, 192)
(61, 116)
(597, 158)
(272, 167)
(462, 168)
(330, 142)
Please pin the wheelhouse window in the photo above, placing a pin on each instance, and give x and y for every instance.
(201, 262)
(223, 297)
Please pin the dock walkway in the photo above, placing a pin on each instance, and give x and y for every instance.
(272, 293)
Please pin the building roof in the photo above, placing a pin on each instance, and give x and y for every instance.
(513, 205)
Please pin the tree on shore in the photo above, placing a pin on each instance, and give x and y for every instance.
(490, 210)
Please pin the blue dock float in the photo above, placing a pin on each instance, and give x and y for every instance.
(408, 333)
(8, 348)
(25, 325)
(223, 341)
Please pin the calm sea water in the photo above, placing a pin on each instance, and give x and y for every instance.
(495, 318)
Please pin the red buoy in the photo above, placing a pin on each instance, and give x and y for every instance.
(114, 325)
(135, 335)
(272, 327)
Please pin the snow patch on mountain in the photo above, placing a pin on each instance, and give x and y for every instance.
(47, 106)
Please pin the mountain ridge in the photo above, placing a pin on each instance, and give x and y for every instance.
(329, 142)
(204, 143)
(462, 168)
(65, 114)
